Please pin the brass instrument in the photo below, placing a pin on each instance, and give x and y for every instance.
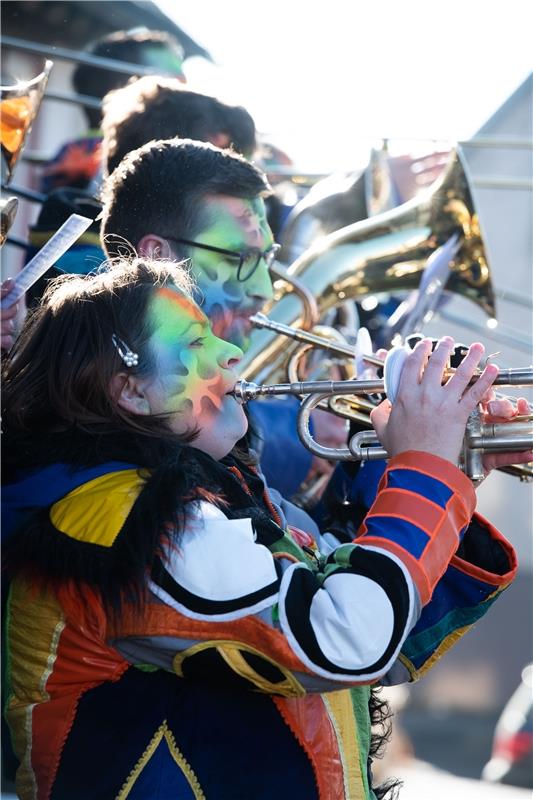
(386, 253)
(513, 436)
(354, 408)
(19, 105)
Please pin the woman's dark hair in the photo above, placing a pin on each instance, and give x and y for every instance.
(60, 369)
(58, 408)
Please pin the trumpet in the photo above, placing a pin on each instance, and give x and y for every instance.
(480, 438)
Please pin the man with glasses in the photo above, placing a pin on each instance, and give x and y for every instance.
(181, 199)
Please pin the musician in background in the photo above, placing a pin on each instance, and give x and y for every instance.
(77, 163)
(163, 108)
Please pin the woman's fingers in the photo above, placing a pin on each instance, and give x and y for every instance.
(438, 361)
(5, 287)
(459, 381)
(379, 417)
(474, 395)
(414, 366)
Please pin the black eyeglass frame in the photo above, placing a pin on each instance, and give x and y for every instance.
(269, 255)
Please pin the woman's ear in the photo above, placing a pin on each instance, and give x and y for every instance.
(154, 246)
(128, 393)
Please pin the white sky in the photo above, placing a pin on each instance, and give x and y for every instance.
(326, 80)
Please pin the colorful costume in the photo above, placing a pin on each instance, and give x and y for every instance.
(247, 673)
(76, 163)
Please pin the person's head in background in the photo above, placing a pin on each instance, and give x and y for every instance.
(127, 350)
(162, 108)
(156, 49)
(185, 199)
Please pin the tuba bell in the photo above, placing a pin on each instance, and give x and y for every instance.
(386, 253)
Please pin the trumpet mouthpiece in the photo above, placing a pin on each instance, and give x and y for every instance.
(244, 391)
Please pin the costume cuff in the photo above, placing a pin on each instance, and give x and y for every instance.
(423, 506)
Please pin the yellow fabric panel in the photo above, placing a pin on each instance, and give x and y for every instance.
(96, 511)
(339, 706)
(231, 651)
(32, 645)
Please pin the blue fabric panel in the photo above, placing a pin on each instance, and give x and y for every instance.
(404, 533)
(40, 488)
(236, 743)
(284, 460)
(78, 260)
(161, 779)
(454, 590)
(419, 648)
(411, 480)
(81, 259)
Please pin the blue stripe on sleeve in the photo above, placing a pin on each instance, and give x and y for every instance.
(413, 481)
(404, 533)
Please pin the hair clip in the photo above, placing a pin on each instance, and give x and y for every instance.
(130, 358)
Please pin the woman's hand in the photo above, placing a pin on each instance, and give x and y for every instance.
(427, 415)
(504, 410)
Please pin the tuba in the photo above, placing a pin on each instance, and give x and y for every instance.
(386, 253)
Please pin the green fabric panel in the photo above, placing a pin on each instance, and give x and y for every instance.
(360, 696)
(427, 641)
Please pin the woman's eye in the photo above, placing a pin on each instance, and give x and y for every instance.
(198, 342)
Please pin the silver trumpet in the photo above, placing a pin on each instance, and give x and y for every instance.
(480, 438)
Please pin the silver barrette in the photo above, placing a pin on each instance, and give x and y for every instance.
(130, 358)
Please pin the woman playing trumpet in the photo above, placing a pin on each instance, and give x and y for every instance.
(169, 632)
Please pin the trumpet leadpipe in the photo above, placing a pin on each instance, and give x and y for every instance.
(307, 337)
(245, 391)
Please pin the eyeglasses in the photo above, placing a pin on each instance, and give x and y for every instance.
(249, 259)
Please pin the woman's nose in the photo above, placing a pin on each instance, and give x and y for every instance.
(230, 355)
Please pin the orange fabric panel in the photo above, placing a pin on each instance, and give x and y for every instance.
(409, 506)
(439, 468)
(161, 620)
(310, 722)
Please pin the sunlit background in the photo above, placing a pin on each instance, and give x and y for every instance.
(325, 81)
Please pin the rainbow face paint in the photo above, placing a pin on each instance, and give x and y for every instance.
(195, 370)
(235, 224)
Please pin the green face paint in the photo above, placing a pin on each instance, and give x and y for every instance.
(162, 58)
(195, 370)
(234, 224)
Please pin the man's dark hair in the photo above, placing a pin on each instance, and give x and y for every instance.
(160, 188)
(129, 46)
(158, 108)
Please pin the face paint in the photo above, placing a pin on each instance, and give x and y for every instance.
(195, 370)
(162, 58)
(234, 224)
